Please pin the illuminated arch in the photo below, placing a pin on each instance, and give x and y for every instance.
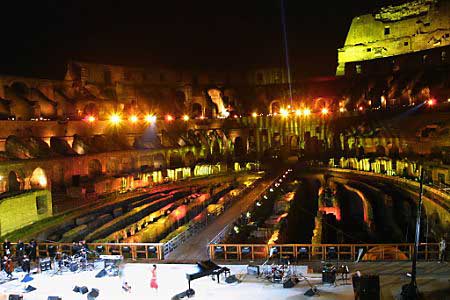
(38, 179)
(94, 168)
(14, 182)
(189, 159)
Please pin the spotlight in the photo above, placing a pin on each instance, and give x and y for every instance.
(298, 112)
(254, 114)
(306, 112)
(133, 119)
(90, 119)
(115, 119)
(169, 118)
(324, 111)
(185, 118)
(284, 112)
(150, 118)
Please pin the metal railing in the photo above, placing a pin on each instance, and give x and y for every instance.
(321, 252)
(133, 251)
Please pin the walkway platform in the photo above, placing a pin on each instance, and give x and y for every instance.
(433, 280)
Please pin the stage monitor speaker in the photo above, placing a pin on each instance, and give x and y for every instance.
(76, 289)
(84, 290)
(54, 298)
(253, 270)
(231, 279)
(369, 287)
(311, 292)
(93, 294)
(15, 297)
(101, 274)
(29, 288)
(289, 283)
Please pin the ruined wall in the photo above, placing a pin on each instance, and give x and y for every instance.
(24, 209)
(396, 30)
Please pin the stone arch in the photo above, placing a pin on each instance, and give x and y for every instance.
(294, 142)
(216, 97)
(239, 147)
(112, 166)
(15, 182)
(159, 161)
(20, 87)
(393, 151)
(180, 101)
(196, 110)
(189, 159)
(38, 179)
(94, 168)
(380, 150)
(175, 160)
(91, 109)
(275, 106)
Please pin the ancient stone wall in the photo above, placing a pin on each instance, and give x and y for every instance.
(415, 26)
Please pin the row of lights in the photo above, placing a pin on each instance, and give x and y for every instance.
(117, 118)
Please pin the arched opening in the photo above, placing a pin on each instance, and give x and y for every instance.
(175, 160)
(380, 151)
(94, 168)
(189, 159)
(294, 142)
(216, 97)
(197, 110)
(13, 182)
(159, 161)
(38, 179)
(20, 88)
(90, 110)
(394, 152)
(275, 107)
(180, 101)
(239, 147)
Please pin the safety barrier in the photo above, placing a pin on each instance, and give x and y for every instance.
(133, 251)
(321, 252)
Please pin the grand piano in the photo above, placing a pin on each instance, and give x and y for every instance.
(206, 268)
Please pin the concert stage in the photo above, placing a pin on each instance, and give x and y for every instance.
(433, 278)
(171, 280)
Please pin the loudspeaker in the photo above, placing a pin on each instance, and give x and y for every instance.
(15, 297)
(253, 270)
(101, 274)
(54, 298)
(369, 287)
(84, 290)
(311, 292)
(289, 284)
(231, 279)
(29, 288)
(187, 293)
(93, 294)
(76, 289)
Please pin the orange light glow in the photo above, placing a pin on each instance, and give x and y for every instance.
(185, 118)
(169, 118)
(306, 112)
(90, 119)
(324, 111)
(133, 119)
(431, 102)
(150, 118)
(115, 119)
(254, 114)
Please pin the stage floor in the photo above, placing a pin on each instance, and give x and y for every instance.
(171, 281)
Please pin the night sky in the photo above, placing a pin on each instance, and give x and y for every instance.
(39, 37)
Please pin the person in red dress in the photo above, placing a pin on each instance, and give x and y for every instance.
(153, 282)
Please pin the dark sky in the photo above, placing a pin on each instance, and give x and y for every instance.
(39, 37)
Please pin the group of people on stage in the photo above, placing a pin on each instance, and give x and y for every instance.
(23, 255)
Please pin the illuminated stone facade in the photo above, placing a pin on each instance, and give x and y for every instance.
(396, 30)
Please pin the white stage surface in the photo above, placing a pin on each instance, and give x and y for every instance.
(171, 280)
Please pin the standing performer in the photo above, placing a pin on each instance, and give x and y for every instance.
(9, 267)
(153, 282)
(442, 246)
